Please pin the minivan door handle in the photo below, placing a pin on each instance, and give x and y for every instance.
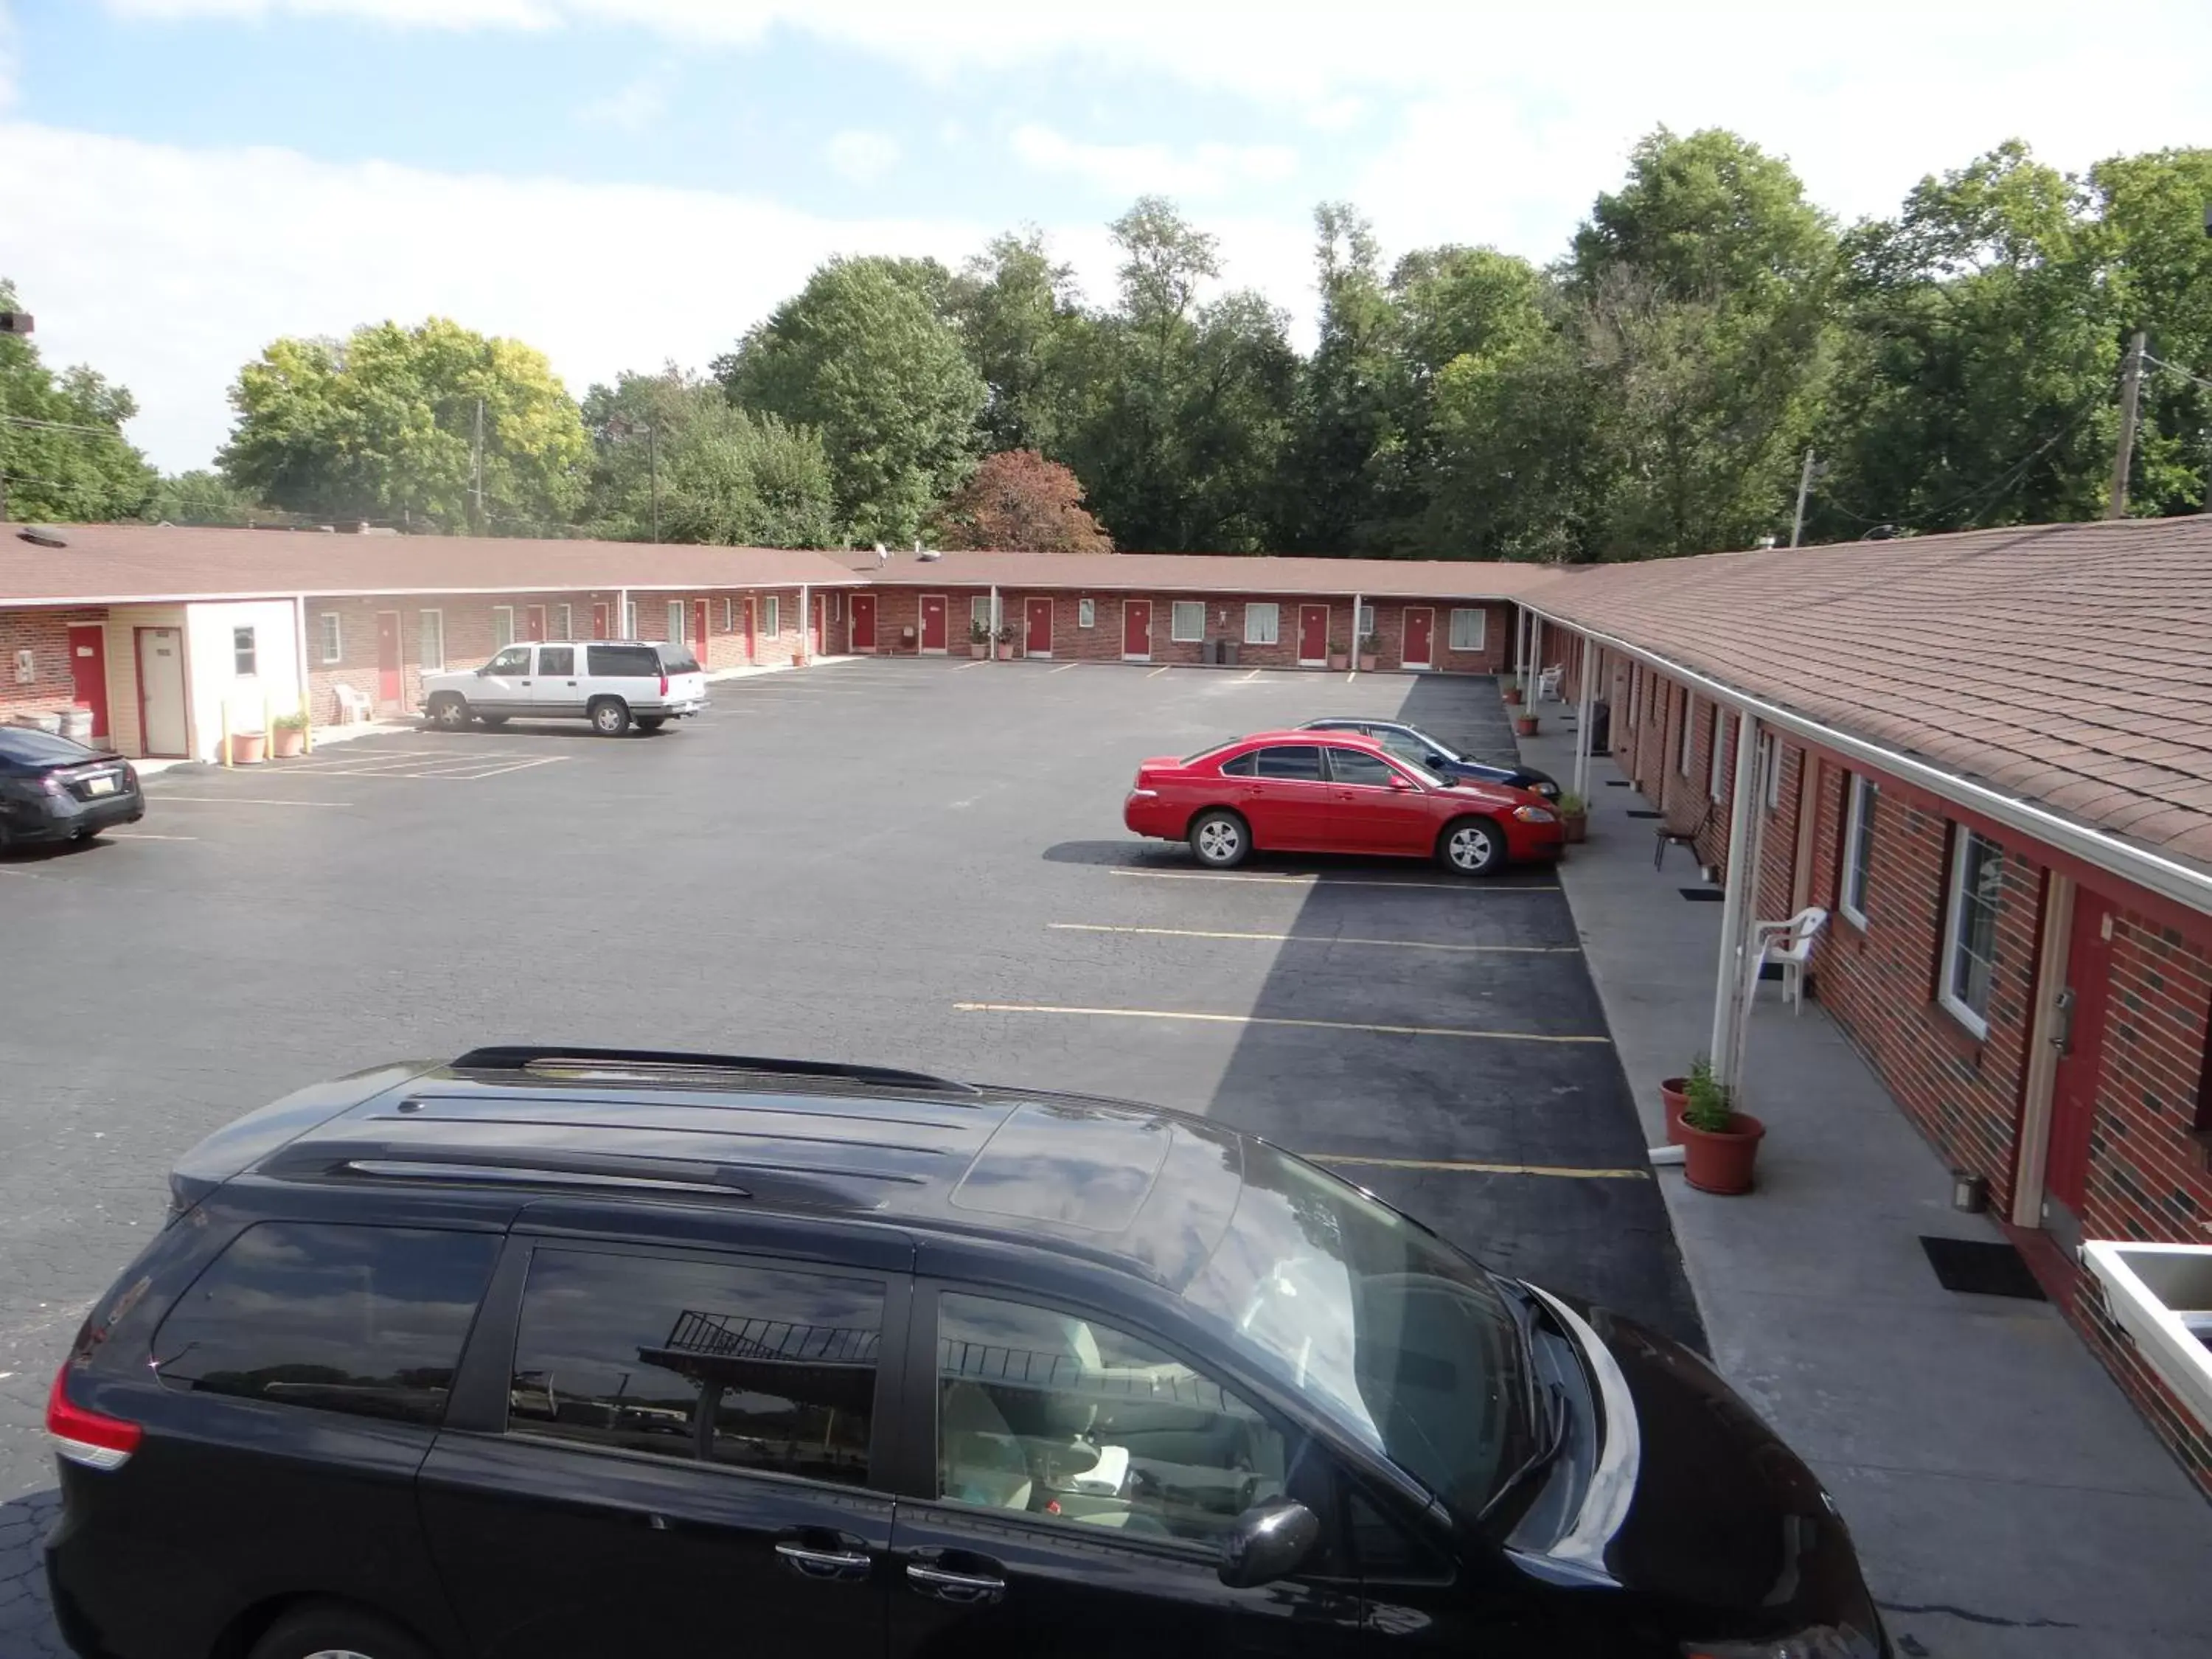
(811, 1563)
(967, 1589)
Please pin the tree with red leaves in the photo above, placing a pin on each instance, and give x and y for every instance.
(1018, 502)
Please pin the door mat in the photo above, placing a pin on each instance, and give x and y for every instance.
(1616, 783)
(1704, 895)
(1976, 1266)
(1641, 812)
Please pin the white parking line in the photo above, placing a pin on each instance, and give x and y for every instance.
(1065, 667)
(142, 835)
(240, 800)
(1311, 938)
(1268, 1020)
(1161, 670)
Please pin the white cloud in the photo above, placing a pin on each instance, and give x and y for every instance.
(167, 268)
(1132, 169)
(631, 107)
(861, 155)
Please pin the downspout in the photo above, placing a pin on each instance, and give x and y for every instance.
(995, 623)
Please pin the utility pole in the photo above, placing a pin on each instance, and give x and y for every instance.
(2130, 396)
(1805, 477)
(653, 465)
(477, 465)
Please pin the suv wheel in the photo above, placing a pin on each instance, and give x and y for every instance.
(610, 716)
(449, 711)
(1220, 839)
(320, 1630)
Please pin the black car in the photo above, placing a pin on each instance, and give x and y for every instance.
(574, 1353)
(54, 788)
(1419, 747)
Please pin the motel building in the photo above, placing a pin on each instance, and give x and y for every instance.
(1986, 757)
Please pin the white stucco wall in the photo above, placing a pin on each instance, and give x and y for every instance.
(272, 689)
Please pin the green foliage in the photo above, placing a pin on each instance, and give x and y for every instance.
(868, 356)
(53, 471)
(380, 426)
(726, 476)
(1707, 1103)
(1030, 339)
(201, 497)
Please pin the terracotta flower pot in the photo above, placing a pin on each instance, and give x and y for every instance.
(1720, 1160)
(1675, 1100)
(1576, 825)
(1006, 651)
(246, 748)
(979, 648)
(1512, 694)
(1524, 726)
(1340, 661)
(1367, 662)
(287, 743)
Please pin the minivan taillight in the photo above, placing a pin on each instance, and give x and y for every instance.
(87, 1438)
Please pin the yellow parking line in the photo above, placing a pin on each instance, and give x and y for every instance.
(1309, 939)
(1331, 881)
(1266, 1020)
(241, 800)
(1455, 1167)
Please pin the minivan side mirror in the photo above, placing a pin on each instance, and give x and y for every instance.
(1269, 1542)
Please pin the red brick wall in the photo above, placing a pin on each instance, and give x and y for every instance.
(45, 635)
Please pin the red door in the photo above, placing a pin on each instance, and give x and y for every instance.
(864, 622)
(1037, 638)
(1313, 635)
(699, 630)
(1420, 633)
(933, 621)
(599, 619)
(387, 655)
(2073, 1089)
(89, 671)
(533, 623)
(1137, 631)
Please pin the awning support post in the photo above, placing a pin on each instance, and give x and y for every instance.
(1729, 1010)
(1586, 693)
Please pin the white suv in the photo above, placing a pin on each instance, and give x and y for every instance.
(609, 682)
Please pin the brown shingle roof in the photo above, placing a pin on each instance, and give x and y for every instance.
(115, 563)
(2069, 666)
(1208, 573)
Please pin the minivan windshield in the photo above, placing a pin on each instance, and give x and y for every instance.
(1389, 1332)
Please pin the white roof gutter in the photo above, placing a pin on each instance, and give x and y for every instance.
(2168, 878)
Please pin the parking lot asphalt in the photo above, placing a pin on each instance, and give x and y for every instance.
(916, 864)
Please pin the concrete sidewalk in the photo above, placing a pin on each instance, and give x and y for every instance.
(2005, 1498)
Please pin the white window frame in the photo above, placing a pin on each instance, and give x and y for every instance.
(1086, 613)
(679, 621)
(502, 627)
(1771, 773)
(630, 619)
(1954, 952)
(432, 624)
(771, 615)
(1858, 824)
(1685, 743)
(333, 632)
(1257, 613)
(246, 653)
(1176, 609)
(1718, 767)
(567, 624)
(729, 614)
(979, 610)
(1455, 640)
(1363, 624)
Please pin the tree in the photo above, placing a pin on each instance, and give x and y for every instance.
(725, 475)
(1346, 465)
(1018, 502)
(1029, 339)
(201, 497)
(867, 355)
(382, 425)
(63, 454)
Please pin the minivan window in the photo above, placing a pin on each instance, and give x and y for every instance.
(757, 1367)
(627, 662)
(557, 660)
(367, 1320)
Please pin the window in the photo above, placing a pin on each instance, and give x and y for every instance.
(1366, 620)
(728, 617)
(675, 621)
(557, 660)
(1858, 849)
(365, 1321)
(751, 1366)
(1470, 628)
(1350, 766)
(1682, 744)
(979, 612)
(434, 640)
(1719, 766)
(1299, 762)
(836, 604)
(622, 662)
(1970, 930)
(1187, 620)
(244, 653)
(515, 660)
(1119, 1434)
(1405, 744)
(333, 637)
(1086, 613)
(1635, 694)
(1261, 623)
(564, 621)
(503, 625)
(630, 619)
(1243, 766)
(771, 615)
(1770, 759)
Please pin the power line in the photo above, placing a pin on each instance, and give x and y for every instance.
(63, 425)
(2176, 368)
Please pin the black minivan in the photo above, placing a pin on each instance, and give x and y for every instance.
(573, 1353)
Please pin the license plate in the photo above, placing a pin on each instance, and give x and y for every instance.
(99, 785)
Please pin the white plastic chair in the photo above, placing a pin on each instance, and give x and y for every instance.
(353, 707)
(1790, 944)
(1547, 683)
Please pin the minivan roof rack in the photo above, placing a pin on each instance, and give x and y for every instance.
(530, 1058)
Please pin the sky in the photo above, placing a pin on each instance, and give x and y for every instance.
(626, 183)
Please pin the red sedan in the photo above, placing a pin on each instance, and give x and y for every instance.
(1330, 792)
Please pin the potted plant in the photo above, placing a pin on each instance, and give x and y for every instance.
(1370, 647)
(1524, 723)
(979, 639)
(1719, 1144)
(1339, 658)
(1674, 1100)
(1006, 638)
(287, 736)
(1574, 816)
(246, 747)
(1511, 691)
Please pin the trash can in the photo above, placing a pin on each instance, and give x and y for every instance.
(1601, 728)
(1229, 652)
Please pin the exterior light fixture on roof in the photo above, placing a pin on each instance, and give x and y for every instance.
(15, 322)
(42, 535)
